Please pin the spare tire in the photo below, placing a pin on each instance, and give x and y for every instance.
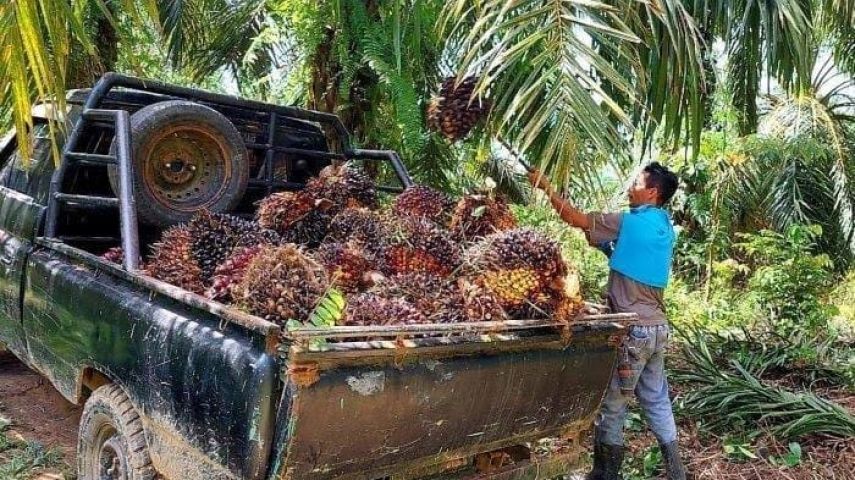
(186, 157)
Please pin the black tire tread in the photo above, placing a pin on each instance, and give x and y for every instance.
(112, 398)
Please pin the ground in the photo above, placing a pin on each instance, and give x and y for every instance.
(38, 432)
(38, 427)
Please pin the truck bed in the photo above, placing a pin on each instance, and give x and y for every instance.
(404, 402)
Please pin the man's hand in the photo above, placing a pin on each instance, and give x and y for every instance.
(539, 180)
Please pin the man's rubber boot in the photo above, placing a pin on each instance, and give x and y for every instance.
(674, 469)
(607, 462)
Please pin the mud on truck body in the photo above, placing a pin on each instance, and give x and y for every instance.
(179, 386)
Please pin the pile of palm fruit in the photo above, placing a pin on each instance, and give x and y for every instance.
(424, 258)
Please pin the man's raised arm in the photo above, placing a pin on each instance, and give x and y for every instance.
(565, 209)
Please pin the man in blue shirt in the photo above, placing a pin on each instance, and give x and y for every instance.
(639, 243)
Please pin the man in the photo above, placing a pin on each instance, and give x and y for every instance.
(639, 243)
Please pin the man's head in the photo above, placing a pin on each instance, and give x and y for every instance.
(655, 185)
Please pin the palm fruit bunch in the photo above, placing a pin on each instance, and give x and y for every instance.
(424, 202)
(345, 186)
(476, 304)
(172, 260)
(346, 264)
(419, 245)
(376, 309)
(456, 110)
(516, 266)
(480, 215)
(298, 217)
(431, 294)
(114, 255)
(361, 226)
(281, 283)
(229, 274)
(216, 235)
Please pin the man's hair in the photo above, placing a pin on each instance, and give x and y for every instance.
(663, 180)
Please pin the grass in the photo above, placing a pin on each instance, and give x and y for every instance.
(21, 460)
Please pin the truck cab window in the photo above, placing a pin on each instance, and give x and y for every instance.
(17, 173)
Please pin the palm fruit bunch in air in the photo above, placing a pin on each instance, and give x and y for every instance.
(480, 215)
(346, 264)
(516, 266)
(298, 217)
(345, 186)
(419, 245)
(229, 274)
(376, 309)
(172, 260)
(457, 109)
(421, 201)
(281, 283)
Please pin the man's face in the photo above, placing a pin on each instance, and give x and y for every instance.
(639, 194)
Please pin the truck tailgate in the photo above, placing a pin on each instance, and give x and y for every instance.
(412, 408)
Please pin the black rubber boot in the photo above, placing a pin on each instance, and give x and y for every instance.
(674, 469)
(607, 461)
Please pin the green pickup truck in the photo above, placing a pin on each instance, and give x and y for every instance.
(177, 386)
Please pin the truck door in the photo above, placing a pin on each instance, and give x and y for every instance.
(20, 215)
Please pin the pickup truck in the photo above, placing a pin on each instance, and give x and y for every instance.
(177, 386)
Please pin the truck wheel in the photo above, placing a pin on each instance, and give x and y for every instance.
(111, 442)
(187, 157)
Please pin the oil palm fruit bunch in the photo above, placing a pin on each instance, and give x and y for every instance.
(479, 215)
(298, 217)
(229, 274)
(418, 245)
(359, 225)
(216, 235)
(456, 110)
(172, 260)
(422, 201)
(516, 266)
(281, 283)
(344, 185)
(432, 295)
(346, 264)
(114, 255)
(375, 309)
(477, 304)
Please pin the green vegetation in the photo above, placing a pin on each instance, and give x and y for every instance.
(20, 460)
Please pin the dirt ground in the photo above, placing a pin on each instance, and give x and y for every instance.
(37, 412)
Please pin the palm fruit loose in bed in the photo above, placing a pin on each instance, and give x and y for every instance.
(374, 309)
(229, 274)
(346, 264)
(419, 245)
(172, 260)
(345, 186)
(480, 215)
(281, 283)
(422, 201)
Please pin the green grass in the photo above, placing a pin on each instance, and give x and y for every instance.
(20, 460)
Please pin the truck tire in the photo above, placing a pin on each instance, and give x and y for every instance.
(186, 157)
(111, 443)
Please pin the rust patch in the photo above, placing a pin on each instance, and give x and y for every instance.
(615, 340)
(304, 374)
